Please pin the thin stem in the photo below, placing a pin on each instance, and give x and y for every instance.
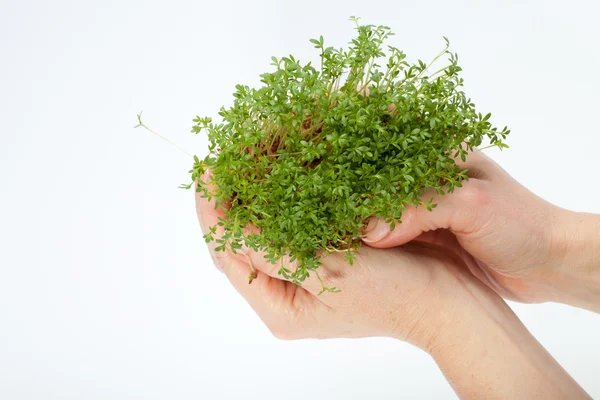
(141, 124)
(283, 154)
(322, 54)
(432, 62)
(323, 287)
(497, 144)
(367, 76)
(253, 273)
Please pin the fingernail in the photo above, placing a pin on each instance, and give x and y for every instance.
(371, 225)
(205, 176)
(375, 230)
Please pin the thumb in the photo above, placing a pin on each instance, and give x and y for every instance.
(462, 212)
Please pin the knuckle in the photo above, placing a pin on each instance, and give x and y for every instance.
(476, 202)
(474, 194)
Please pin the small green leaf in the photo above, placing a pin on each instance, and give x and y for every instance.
(301, 161)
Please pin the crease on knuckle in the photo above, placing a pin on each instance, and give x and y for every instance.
(475, 208)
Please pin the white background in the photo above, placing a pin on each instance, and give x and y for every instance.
(106, 289)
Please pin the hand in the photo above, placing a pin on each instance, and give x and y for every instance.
(523, 247)
(403, 293)
(418, 293)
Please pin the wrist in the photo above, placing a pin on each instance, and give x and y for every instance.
(488, 350)
(473, 308)
(444, 308)
(575, 277)
(435, 309)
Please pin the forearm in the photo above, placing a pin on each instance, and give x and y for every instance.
(576, 281)
(488, 353)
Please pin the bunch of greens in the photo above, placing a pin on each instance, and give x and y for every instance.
(308, 157)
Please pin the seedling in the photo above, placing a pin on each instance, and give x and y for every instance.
(302, 162)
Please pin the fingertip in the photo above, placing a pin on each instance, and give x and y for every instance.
(204, 178)
(264, 294)
(376, 230)
(205, 175)
(379, 234)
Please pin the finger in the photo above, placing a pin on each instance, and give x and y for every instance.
(283, 307)
(277, 302)
(208, 215)
(461, 212)
(257, 259)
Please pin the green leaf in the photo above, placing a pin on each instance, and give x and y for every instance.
(307, 156)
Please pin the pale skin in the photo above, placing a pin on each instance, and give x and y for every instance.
(437, 282)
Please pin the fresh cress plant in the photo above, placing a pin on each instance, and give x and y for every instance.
(302, 162)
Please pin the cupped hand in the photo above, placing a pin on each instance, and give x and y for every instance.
(419, 293)
(412, 293)
(511, 239)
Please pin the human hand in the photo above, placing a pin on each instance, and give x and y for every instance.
(409, 293)
(419, 293)
(523, 247)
